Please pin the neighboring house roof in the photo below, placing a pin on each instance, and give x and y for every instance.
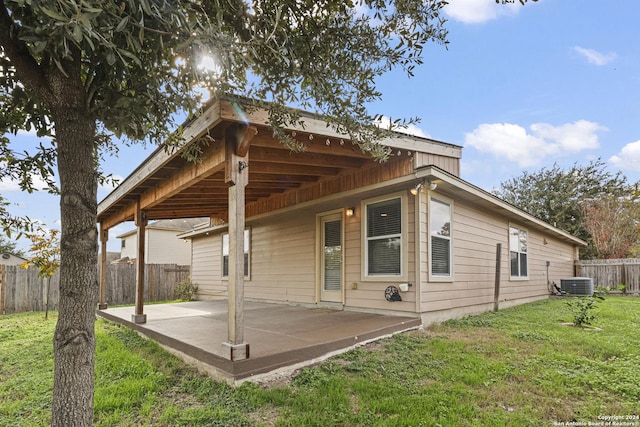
(177, 225)
(11, 259)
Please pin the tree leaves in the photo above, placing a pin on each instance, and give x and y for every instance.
(555, 195)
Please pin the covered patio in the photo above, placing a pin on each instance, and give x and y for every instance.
(282, 337)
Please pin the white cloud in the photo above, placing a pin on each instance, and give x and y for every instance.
(595, 57)
(514, 143)
(7, 184)
(411, 129)
(628, 157)
(478, 11)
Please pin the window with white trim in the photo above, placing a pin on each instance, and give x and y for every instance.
(518, 252)
(384, 238)
(440, 237)
(225, 254)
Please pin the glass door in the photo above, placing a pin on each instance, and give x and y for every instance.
(331, 270)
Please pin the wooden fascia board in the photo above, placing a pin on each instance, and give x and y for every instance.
(319, 127)
(202, 124)
(434, 173)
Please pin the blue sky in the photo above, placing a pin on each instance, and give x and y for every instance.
(519, 87)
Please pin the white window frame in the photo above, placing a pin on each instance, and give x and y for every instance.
(404, 250)
(440, 277)
(247, 251)
(520, 229)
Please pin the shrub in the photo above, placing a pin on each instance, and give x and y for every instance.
(185, 290)
(582, 308)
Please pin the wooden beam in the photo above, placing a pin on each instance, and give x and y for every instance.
(121, 215)
(285, 156)
(194, 130)
(212, 162)
(292, 169)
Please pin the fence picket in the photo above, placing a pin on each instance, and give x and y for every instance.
(612, 272)
(22, 290)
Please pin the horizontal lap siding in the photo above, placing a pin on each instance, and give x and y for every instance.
(163, 247)
(283, 263)
(282, 259)
(475, 235)
(370, 294)
(206, 270)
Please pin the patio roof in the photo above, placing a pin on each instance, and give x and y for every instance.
(283, 337)
(166, 185)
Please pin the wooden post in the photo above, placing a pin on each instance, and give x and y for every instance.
(104, 237)
(496, 294)
(237, 140)
(141, 223)
(3, 286)
(152, 296)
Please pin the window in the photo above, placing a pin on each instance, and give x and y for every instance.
(225, 254)
(384, 238)
(124, 243)
(440, 237)
(518, 252)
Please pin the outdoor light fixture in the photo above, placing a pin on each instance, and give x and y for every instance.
(351, 211)
(415, 190)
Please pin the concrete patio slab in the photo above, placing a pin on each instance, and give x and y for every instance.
(279, 336)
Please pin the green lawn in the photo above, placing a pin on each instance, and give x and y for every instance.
(519, 367)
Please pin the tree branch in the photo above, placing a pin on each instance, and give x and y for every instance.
(28, 70)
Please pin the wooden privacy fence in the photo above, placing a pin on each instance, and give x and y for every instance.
(22, 290)
(612, 272)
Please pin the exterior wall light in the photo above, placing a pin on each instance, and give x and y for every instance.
(351, 211)
(415, 190)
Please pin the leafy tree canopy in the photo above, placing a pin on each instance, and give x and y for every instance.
(134, 64)
(555, 195)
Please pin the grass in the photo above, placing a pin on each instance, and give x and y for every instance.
(517, 367)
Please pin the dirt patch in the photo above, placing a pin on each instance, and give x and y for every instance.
(267, 416)
(280, 379)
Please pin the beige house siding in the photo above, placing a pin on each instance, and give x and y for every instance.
(283, 258)
(206, 269)
(161, 247)
(449, 164)
(369, 294)
(475, 236)
(283, 262)
(129, 248)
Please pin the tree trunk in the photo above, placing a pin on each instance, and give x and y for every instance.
(74, 340)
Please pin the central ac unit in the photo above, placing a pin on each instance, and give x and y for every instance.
(579, 286)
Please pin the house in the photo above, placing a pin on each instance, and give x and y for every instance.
(161, 244)
(11, 259)
(332, 227)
